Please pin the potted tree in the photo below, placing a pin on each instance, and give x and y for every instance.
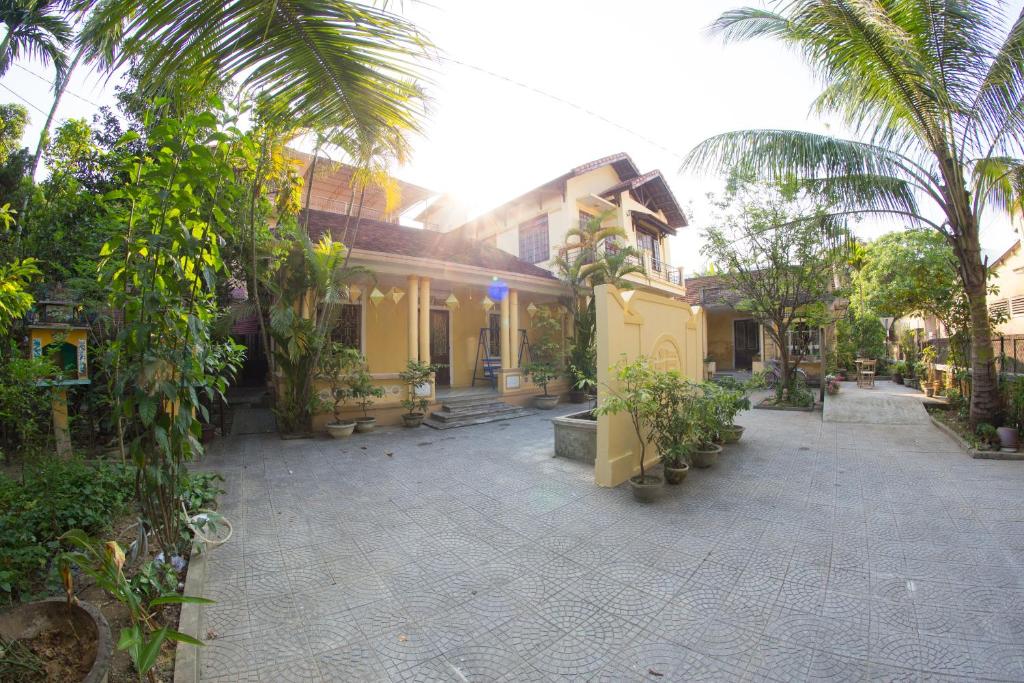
(928, 356)
(1013, 399)
(582, 383)
(634, 396)
(706, 413)
(362, 389)
(547, 356)
(899, 371)
(335, 362)
(416, 376)
(672, 425)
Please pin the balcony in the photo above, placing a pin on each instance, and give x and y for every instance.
(653, 268)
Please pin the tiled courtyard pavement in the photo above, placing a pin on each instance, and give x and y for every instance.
(811, 551)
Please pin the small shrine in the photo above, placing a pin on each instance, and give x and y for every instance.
(56, 331)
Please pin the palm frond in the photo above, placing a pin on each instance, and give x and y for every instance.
(342, 62)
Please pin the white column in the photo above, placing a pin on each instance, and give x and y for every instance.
(425, 320)
(413, 295)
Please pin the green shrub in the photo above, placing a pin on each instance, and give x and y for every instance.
(54, 497)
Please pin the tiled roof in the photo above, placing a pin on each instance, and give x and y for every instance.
(709, 290)
(660, 194)
(390, 238)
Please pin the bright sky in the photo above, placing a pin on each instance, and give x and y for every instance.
(646, 65)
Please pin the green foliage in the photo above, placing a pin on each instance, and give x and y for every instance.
(415, 375)
(546, 350)
(53, 497)
(13, 119)
(987, 434)
(142, 598)
(24, 402)
(349, 377)
(1012, 390)
(633, 394)
(160, 271)
(859, 334)
(777, 249)
(957, 401)
(199, 490)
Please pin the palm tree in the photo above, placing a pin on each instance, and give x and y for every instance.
(934, 92)
(333, 62)
(37, 29)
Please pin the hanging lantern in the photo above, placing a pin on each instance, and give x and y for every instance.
(532, 309)
(376, 296)
(451, 302)
(396, 294)
(355, 293)
(488, 304)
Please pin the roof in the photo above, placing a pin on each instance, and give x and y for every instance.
(709, 290)
(390, 238)
(1006, 254)
(652, 188)
(332, 187)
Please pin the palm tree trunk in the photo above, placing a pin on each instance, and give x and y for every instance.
(5, 45)
(984, 386)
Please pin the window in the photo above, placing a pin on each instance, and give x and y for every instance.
(533, 240)
(585, 218)
(1001, 307)
(652, 245)
(1017, 306)
(804, 341)
(349, 330)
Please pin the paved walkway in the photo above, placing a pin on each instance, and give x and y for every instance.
(812, 551)
(887, 403)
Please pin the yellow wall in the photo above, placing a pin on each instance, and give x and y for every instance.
(630, 325)
(1008, 278)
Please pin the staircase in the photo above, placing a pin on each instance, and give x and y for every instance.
(473, 409)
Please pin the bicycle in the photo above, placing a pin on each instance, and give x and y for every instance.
(773, 374)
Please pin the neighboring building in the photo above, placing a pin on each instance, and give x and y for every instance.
(737, 342)
(1008, 278)
(534, 226)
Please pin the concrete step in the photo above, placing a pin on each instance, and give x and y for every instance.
(471, 399)
(447, 414)
(436, 423)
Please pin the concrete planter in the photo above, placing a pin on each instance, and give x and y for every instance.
(676, 475)
(732, 434)
(412, 419)
(340, 430)
(646, 490)
(706, 458)
(365, 424)
(545, 402)
(576, 437)
(27, 621)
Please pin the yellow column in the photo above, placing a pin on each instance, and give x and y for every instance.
(506, 351)
(414, 310)
(513, 320)
(61, 432)
(425, 320)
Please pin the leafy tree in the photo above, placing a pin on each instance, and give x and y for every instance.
(767, 244)
(16, 277)
(160, 270)
(936, 92)
(13, 119)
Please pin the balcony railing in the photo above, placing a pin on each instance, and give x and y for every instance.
(654, 268)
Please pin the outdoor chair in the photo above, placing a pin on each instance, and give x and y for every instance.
(866, 373)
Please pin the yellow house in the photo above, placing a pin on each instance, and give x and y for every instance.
(735, 342)
(534, 225)
(1008, 278)
(443, 299)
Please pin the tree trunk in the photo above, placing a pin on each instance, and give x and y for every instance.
(984, 387)
(5, 46)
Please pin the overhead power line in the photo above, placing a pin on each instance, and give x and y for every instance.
(23, 99)
(568, 103)
(51, 83)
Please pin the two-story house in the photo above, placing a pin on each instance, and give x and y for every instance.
(534, 225)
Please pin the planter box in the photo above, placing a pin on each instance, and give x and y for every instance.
(793, 409)
(973, 452)
(576, 437)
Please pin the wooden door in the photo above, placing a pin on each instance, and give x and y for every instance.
(746, 343)
(440, 352)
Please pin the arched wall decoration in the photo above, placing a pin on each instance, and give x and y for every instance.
(666, 354)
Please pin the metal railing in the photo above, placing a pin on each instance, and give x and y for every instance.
(652, 267)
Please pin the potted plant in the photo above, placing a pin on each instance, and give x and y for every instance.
(735, 397)
(706, 413)
(633, 395)
(335, 362)
(1013, 401)
(547, 356)
(832, 384)
(672, 425)
(362, 389)
(710, 367)
(987, 435)
(416, 375)
(928, 357)
(581, 384)
(899, 371)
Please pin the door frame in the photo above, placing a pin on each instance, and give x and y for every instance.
(760, 348)
(451, 359)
